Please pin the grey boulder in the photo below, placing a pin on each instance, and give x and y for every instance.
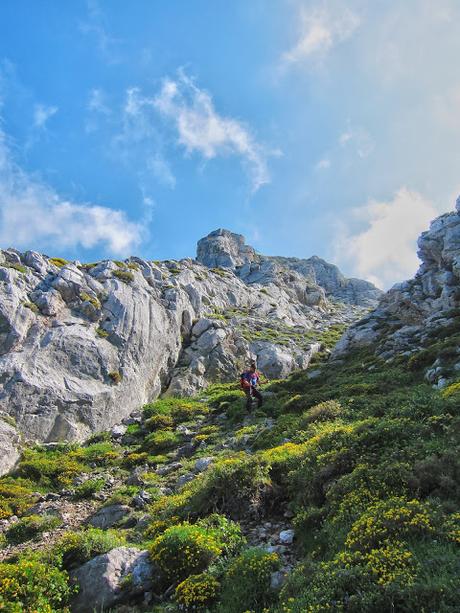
(119, 575)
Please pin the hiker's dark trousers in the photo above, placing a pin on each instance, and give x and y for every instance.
(250, 394)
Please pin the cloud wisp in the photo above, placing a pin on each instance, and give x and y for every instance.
(95, 25)
(321, 29)
(33, 215)
(42, 114)
(201, 129)
(384, 251)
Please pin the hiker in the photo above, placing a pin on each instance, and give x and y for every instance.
(249, 381)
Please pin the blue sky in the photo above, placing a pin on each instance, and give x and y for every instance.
(311, 127)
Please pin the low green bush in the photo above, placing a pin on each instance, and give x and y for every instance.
(197, 592)
(50, 469)
(122, 495)
(16, 496)
(246, 584)
(76, 548)
(85, 297)
(162, 440)
(134, 459)
(185, 550)
(103, 453)
(88, 488)
(31, 526)
(102, 333)
(159, 422)
(115, 376)
(324, 411)
(236, 486)
(33, 586)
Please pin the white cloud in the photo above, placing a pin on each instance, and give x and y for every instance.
(42, 114)
(138, 143)
(160, 168)
(321, 29)
(323, 164)
(98, 110)
(385, 250)
(97, 102)
(201, 129)
(359, 139)
(33, 215)
(95, 25)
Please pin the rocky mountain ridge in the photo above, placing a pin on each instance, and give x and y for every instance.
(222, 248)
(83, 345)
(421, 312)
(340, 493)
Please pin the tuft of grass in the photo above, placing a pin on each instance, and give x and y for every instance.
(88, 488)
(115, 376)
(76, 548)
(219, 271)
(124, 275)
(31, 526)
(85, 297)
(32, 306)
(17, 267)
(59, 262)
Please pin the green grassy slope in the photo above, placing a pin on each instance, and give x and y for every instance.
(364, 457)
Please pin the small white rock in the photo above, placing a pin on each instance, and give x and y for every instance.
(286, 537)
(118, 431)
(203, 463)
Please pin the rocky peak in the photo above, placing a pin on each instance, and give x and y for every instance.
(314, 275)
(225, 249)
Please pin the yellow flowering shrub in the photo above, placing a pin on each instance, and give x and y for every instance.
(389, 563)
(31, 586)
(452, 390)
(283, 454)
(16, 496)
(395, 517)
(50, 468)
(197, 592)
(184, 550)
(158, 526)
(452, 527)
(246, 584)
(159, 421)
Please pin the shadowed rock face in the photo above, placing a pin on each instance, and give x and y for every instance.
(82, 346)
(413, 311)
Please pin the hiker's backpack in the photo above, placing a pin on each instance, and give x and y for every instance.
(245, 380)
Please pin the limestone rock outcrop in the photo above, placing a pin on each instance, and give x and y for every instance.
(10, 444)
(226, 249)
(84, 345)
(421, 310)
